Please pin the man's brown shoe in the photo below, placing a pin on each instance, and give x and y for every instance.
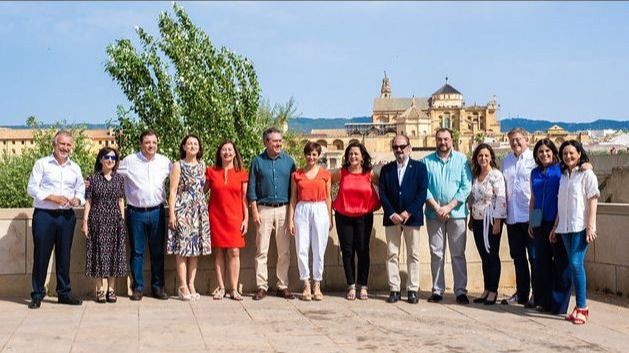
(260, 294)
(285, 293)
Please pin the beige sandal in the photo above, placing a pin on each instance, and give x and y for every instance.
(218, 293)
(306, 295)
(363, 293)
(317, 291)
(235, 295)
(351, 293)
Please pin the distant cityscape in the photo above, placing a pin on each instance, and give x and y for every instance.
(306, 124)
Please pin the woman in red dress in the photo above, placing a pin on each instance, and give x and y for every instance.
(229, 218)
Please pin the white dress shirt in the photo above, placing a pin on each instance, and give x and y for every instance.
(574, 192)
(51, 178)
(144, 179)
(401, 169)
(517, 174)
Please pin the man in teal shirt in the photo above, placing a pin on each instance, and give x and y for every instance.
(449, 184)
(268, 193)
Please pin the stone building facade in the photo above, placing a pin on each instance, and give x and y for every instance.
(14, 141)
(416, 117)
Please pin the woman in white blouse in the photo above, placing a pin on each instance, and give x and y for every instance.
(576, 218)
(488, 206)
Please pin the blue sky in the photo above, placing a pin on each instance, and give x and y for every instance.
(564, 61)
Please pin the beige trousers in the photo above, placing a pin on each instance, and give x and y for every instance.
(394, 241)
(272, 218)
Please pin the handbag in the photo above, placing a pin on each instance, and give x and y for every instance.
(535, 218)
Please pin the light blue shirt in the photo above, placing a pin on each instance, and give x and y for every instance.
(448, 180)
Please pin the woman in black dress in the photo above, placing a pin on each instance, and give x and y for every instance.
(104, 226)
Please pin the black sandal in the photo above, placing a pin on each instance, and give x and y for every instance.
(111, 296)
(100, 297)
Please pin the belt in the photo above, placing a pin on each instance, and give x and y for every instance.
(269, 204)
(57, 212)
(144, 209)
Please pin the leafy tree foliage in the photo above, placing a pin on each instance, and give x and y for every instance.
(181, 83)
(16, 169)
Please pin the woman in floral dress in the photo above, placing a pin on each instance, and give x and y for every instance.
(188, 223)
(104, 227)
(488, 206)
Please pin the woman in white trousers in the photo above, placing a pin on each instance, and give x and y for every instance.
(310, 217)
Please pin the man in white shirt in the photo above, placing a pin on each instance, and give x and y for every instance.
(516, 168)
(56, 185)
(144, 175)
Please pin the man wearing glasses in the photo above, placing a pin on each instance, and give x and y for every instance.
(449, 184)
(403, 186)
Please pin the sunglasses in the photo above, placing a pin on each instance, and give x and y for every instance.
(399, 147)
(111, 158)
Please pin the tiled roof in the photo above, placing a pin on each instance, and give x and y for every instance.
(446, 89)
(398, 104)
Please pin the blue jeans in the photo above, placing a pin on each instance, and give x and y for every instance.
(519, 244)
(553, 281)
(52, 228)
(576, 246)
(143, 225)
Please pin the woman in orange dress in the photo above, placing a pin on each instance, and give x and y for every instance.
(229, 218)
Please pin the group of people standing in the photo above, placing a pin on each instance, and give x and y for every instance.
(546, 197)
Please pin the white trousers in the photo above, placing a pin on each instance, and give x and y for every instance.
(312, 226)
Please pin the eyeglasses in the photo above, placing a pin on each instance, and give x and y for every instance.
(111, 158)
(400, 147)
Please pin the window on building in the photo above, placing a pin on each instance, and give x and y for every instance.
(446, 121)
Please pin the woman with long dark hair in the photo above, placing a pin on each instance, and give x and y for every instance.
(353, 212)
(229, 216)
(552, 284)
(104, 225)
(488, 209)
(576, 218)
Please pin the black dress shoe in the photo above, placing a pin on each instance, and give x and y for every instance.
(412, 297)
(435, 298)
(462, 299)
(480, 300)
(260, 294)
(34, 304)
(393, 297)
(69, 300)
(530, 304)
(160, 294)
(136, 295)
(285, 293)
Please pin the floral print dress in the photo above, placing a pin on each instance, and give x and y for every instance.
(192, 237)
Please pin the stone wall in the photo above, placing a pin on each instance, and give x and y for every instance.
(607, 261)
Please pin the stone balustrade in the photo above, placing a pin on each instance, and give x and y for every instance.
(607, 261)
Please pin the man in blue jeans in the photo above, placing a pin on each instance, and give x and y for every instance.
(144, 175)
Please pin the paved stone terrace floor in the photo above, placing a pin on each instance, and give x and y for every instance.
(333, 325)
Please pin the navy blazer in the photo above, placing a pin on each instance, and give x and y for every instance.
(409, 197)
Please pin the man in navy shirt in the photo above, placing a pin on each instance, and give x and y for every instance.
(268, 193)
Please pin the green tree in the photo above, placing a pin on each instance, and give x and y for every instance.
(181, 83)
(16, 169)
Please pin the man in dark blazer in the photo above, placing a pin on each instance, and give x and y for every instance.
(403, 185)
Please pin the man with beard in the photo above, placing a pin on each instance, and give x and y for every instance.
(403, 194)
(56, 185)
(449, 184)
